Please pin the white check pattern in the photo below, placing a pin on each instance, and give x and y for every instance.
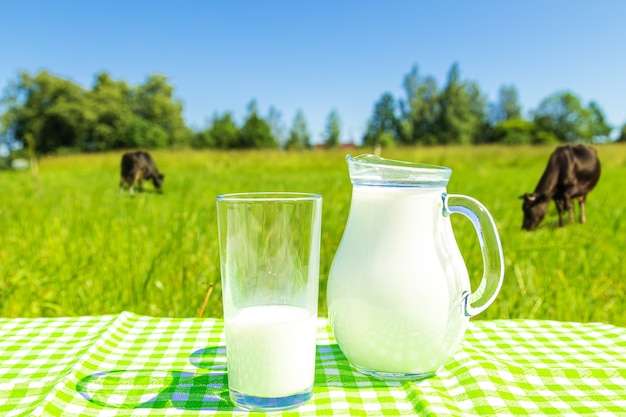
(130, 365)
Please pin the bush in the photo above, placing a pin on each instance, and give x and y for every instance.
(545, 138)
(514, 132)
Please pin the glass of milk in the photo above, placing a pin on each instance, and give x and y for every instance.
(269, 253)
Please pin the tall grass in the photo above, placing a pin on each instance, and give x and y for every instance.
(71, 244)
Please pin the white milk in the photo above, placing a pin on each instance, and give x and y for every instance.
(394, 289)
(271, 350)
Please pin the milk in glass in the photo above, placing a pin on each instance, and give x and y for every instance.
(271, 350)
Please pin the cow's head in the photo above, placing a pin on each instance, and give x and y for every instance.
(534, 207)
(157, 180)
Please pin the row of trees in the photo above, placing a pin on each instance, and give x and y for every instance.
(47, 113)
(259, 132)
(459, 113)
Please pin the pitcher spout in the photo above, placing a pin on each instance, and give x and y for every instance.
(373, 170)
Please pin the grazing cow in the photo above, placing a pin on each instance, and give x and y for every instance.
(572, 172)
(138, 166)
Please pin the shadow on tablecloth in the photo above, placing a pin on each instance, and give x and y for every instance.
(206, 389)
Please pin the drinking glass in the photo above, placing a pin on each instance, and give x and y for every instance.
(269, 257)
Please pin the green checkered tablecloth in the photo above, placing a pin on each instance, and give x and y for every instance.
(130, 365)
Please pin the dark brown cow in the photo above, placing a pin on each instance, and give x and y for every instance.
(572, 172)
(138, 166)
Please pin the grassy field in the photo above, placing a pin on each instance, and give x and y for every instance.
(70, 244)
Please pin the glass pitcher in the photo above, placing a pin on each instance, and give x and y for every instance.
(399, 296)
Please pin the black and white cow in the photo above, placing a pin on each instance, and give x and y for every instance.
(572, 172)
(138, 166)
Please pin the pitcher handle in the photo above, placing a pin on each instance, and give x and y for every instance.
(493, 258)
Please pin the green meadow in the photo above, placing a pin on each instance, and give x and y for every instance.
(71, 244)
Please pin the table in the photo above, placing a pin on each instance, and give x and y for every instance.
(131, 365)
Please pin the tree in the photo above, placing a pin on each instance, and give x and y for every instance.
(420, 111)
(478, 108)
(256, 132)
(274, 119)
(299, 136)
(202, 140)
(622, 134)
(110, 101)
(53, 110)
(455, 114)
(507, 106)
(564, 115)
(384, 121)
(333, 129)
(462, 113)
(60, 114)
(140, 133)
(224, 132)
(599, 126)
(154, 103)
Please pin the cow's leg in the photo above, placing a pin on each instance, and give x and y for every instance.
(567, 205)
(560, 206)
(581, 202)
(131, 184)
(137, 180)
(567, 201)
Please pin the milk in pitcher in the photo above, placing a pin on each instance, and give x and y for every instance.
(398, 314)
(398, 294)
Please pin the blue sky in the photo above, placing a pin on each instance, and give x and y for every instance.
(322, 55)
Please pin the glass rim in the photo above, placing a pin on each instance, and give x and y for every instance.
(261, 196)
